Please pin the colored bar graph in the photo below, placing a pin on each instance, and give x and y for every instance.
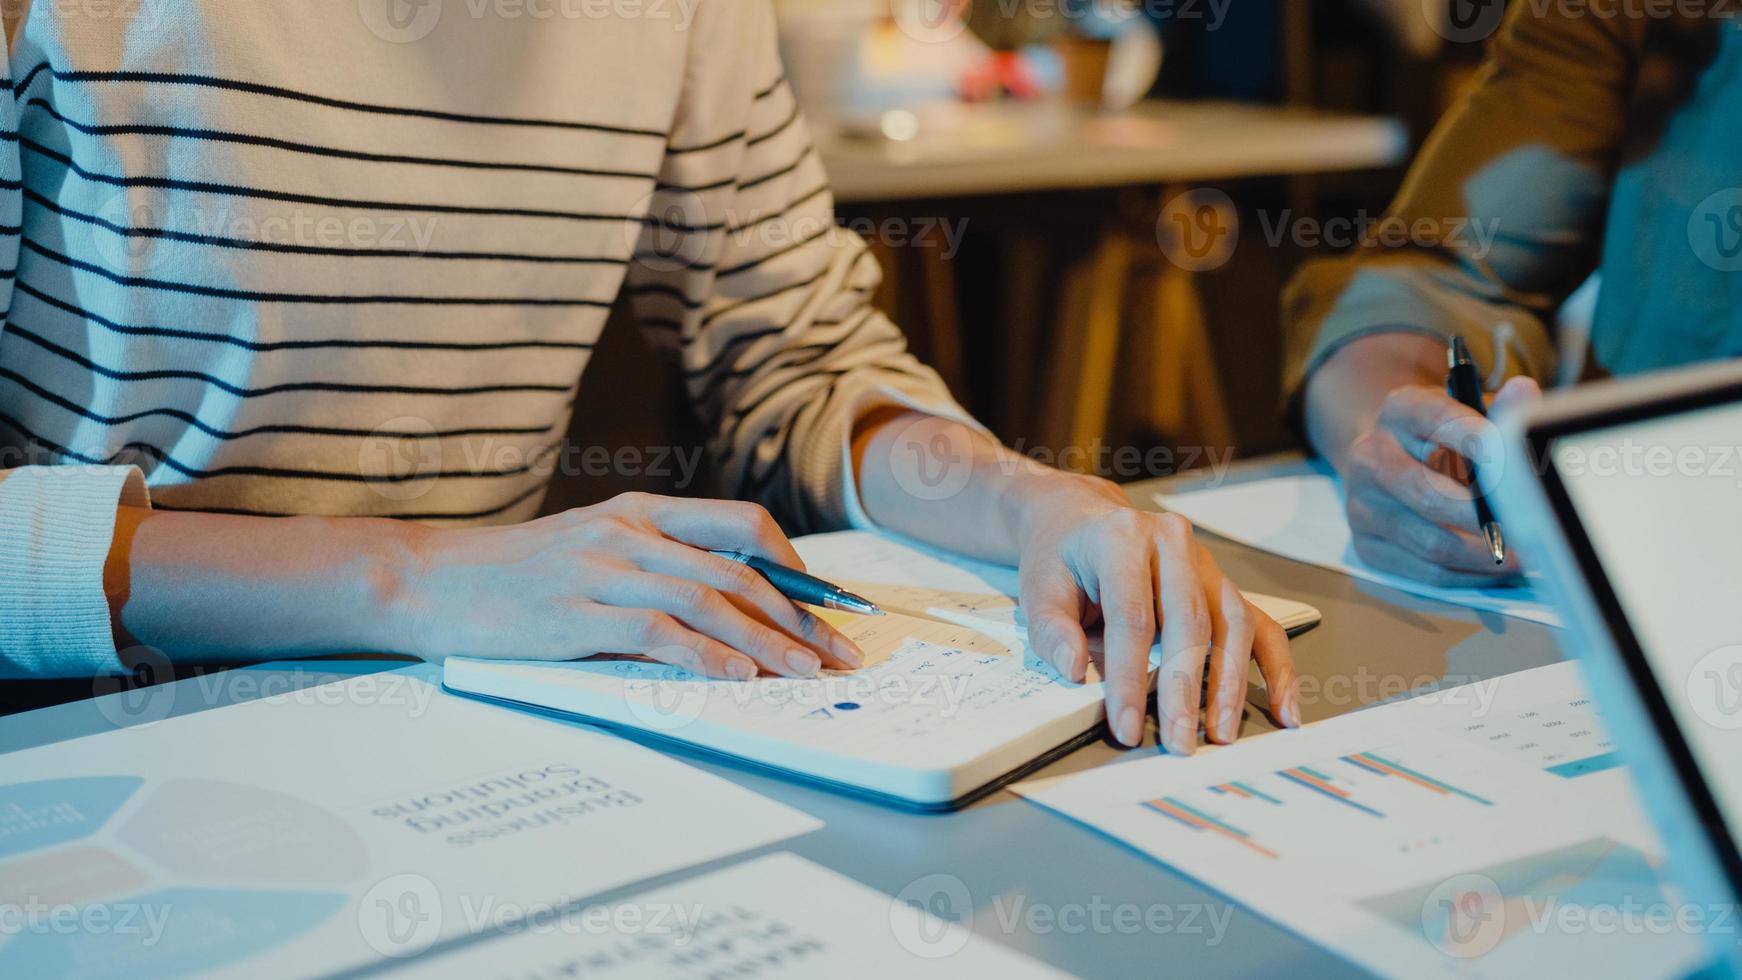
(1257, 793)
(1378, 785)
(1362, 763)
(1388, 767)
(1319, 783)
(1183, 812)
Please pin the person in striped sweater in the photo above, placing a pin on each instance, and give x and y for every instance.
(298, 296)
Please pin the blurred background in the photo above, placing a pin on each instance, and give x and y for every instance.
(1086, 210)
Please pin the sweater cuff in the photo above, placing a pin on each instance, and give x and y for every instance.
(57, 524)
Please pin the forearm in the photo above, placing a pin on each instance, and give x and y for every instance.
(204, 587)
(946, 484)
(1344, 394)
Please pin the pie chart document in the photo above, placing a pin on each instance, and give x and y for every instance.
(336, 826)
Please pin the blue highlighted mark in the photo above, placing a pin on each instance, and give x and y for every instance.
(1584, 767)
(847, 706)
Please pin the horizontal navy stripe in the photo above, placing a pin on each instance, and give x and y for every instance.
(738, 340)
(788, 208)
(744, 267)
(673, 292)
(782, 172)
(740, 135)
(231, 190)
(773, 87)
(661, 289)
(742, 415)
(163, 458)
(255, 88)
(269, 142)
(14, 329)
(709, 387)
(255, 296)
(704, 147)
(217, 241)
(791, 118)
(281, 345)
(277, 429)
(748, 300)
(722, 184)
(666, 187)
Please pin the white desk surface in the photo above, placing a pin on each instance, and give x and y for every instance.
(1008, 148)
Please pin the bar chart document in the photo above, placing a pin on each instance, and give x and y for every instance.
(1487, 830)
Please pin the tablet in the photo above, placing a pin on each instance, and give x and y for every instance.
(1628, 496)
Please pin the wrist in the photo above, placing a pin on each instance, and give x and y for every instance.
(391, 570)
(1039, 496)
(219, 587)
(1344, 395)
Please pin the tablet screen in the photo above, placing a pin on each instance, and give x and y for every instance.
(1661, 503)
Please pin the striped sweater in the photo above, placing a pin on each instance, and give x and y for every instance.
(350, 257)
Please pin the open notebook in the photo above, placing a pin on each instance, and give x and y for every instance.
(949, 706)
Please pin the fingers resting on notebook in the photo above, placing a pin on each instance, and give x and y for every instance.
(1152, 587)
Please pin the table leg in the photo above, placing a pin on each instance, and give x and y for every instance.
(1079, 387)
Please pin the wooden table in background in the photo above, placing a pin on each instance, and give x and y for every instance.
(967, 151)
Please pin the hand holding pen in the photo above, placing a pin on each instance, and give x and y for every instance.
(1409, 511)
(1464, 383)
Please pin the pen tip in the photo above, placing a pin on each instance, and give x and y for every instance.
(857, 604)
(1496, 543)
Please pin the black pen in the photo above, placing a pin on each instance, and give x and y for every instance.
(1465, 384)
(800, 587)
